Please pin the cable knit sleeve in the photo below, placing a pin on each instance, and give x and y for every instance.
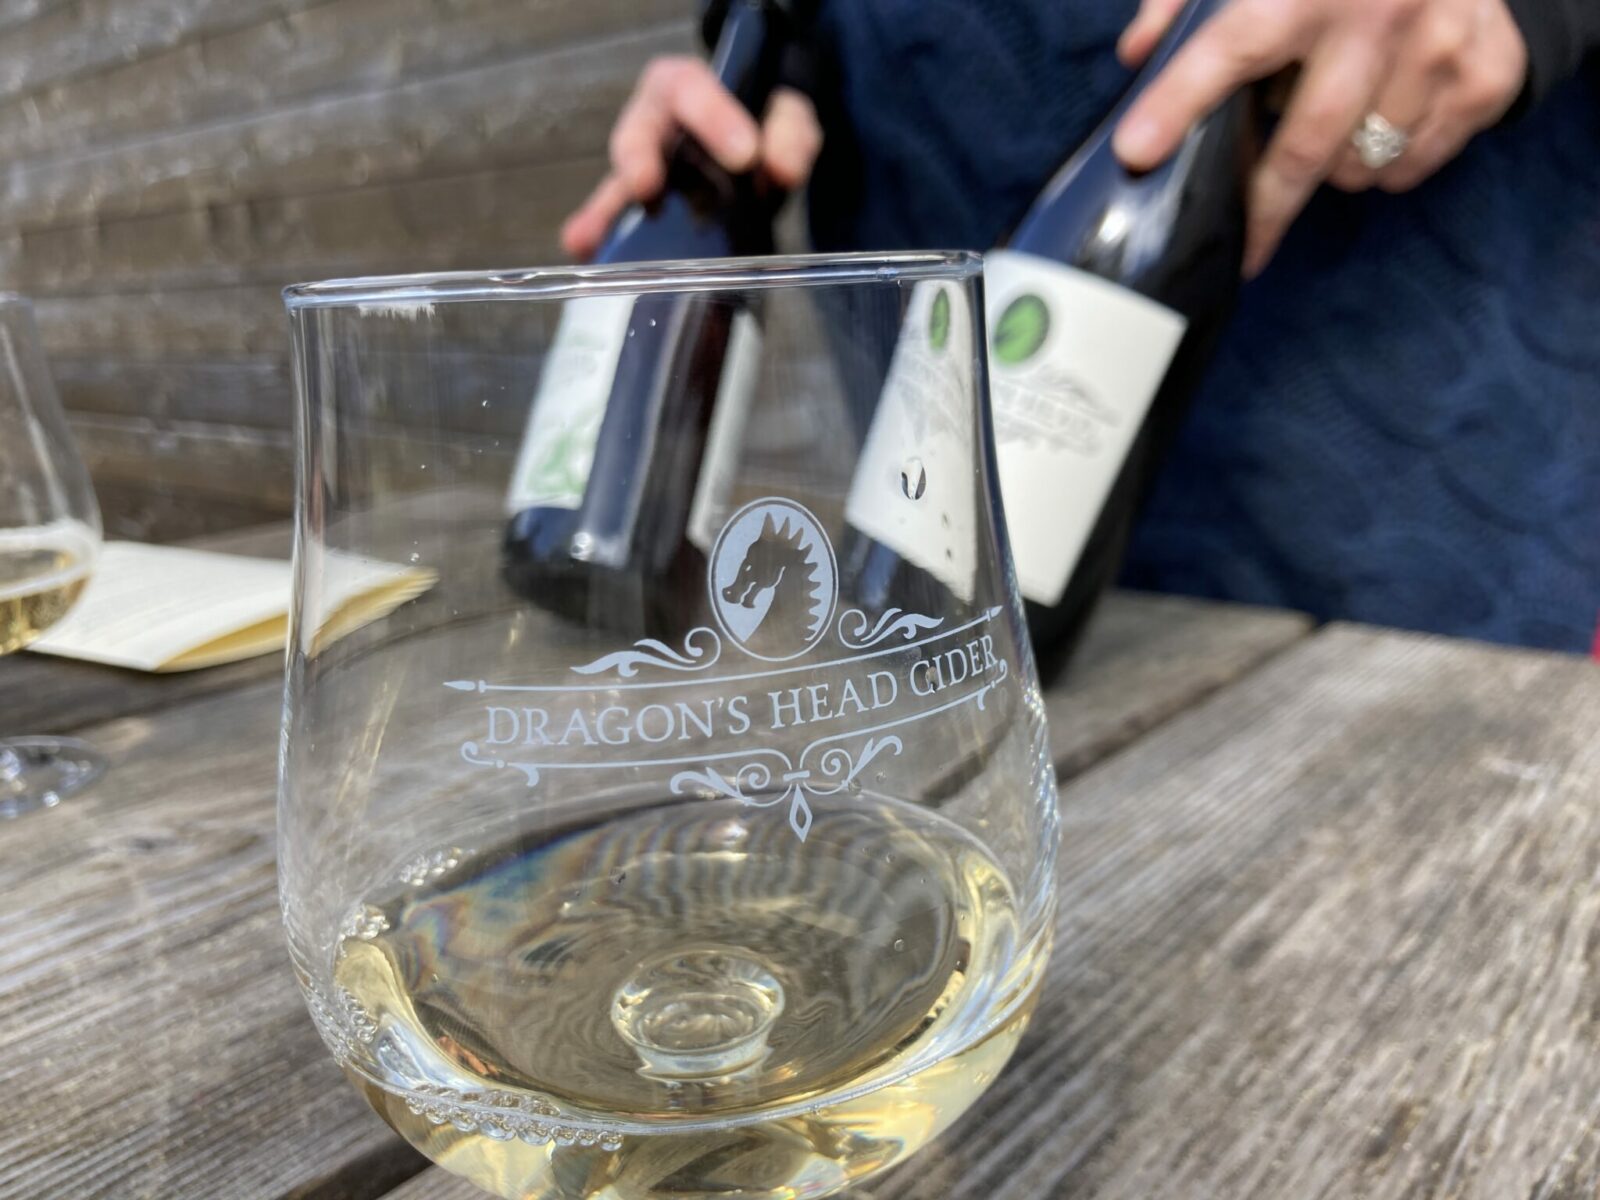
(1560, 35)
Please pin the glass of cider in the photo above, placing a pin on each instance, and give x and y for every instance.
(692, 833)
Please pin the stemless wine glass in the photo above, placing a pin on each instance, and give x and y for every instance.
(694, 834)
(49, 538)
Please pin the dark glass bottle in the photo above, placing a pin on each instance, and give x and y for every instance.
(1104, 305)
(615, 468)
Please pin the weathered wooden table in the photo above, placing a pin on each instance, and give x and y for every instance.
(1330, 927)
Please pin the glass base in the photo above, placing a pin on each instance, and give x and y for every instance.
(41, 772)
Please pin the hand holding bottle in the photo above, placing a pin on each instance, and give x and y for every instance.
(683, 94)
(1435, 71)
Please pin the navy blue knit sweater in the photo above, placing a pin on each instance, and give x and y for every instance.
(1403, 424)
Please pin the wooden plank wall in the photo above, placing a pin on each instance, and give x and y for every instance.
(166, 166)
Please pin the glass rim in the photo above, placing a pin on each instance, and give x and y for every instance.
(401, 293)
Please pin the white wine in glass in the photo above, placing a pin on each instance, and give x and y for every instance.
(49, 539)
(42, 573)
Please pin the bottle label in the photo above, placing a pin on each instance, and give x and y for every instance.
(552, 469)
(719, 464)
(1074, 362)
(914, 482)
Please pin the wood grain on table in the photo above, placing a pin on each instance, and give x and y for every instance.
(151, 1034)
(149, 1022)
(1335, 932)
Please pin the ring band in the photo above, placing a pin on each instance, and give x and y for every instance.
(1378, 142)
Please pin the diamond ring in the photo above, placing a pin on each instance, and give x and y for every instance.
(1378, 142)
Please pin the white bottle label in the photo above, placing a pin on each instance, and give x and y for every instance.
(719, 463)
(915, 486)
(558, 443)
(1074, 362)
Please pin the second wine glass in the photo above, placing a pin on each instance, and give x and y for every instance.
(49, 540)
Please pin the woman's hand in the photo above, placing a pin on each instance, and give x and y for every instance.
(1439, 71)
(677, 93)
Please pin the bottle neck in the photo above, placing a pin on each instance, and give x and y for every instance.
(1054, 224)
(703, 210)
(751, 40)
(745, 56)
(1193, 15)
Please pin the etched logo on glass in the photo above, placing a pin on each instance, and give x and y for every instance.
(780, 735)
(773, 579)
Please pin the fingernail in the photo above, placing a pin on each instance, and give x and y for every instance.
(1136, 139)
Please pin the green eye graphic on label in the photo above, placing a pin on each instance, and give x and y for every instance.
(939, 321)
(1021, 329)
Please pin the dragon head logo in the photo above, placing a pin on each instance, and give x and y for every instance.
(773, 579)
